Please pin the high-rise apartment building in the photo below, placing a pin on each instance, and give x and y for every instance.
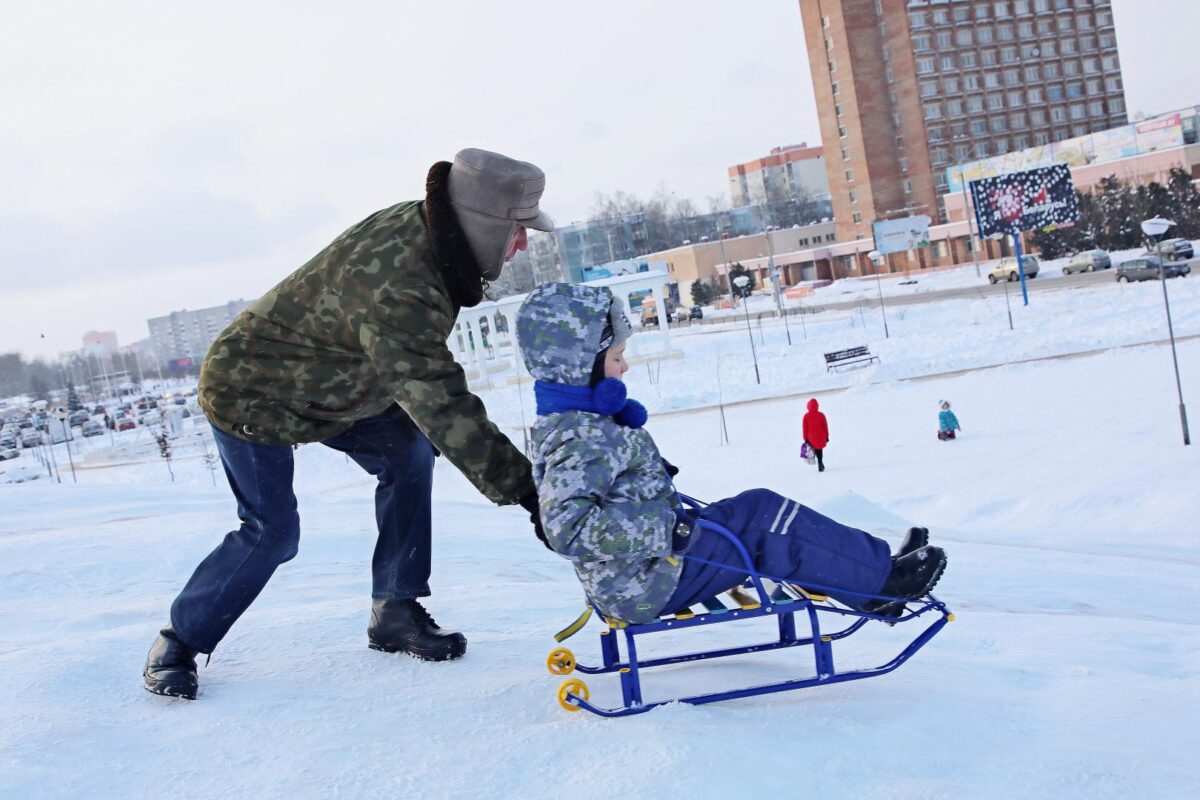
(788, 173)
(907, 88)
(188, 334)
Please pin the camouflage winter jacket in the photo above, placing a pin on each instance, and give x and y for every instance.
(363, 325)
(607, 503)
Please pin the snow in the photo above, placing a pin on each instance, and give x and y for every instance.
(1067, 506)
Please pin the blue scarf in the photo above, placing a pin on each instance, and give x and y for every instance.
(608, 398)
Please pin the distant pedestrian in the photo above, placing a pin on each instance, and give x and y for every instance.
(947, 422)
(816, 432)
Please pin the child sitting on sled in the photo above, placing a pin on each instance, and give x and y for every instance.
(947, 422)
(608, 504)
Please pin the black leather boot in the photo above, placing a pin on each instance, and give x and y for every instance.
(171, 667)
(915, 539)
(913, 575)
(405, 626)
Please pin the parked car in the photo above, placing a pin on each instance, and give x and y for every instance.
(151, 417)
(31, 438)
(7, 453)
(1146, 269)
(1174, 250)
(1006, 270)
(1088, 261)
(126, 423)
(78, 417)
(92, 428)
(696, 312)
(8, 439)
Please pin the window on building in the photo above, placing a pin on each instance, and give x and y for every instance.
(971, 82)
(945, 39)
(900, 141)
(1020, 142)
(1016, 99)
(843, 132)
(1029, 51)
(1112, 84)
(857, 217)
(947, 63)
(999, 124)
(906, 185)
(1068, 47)
(1021, 7)
(1012, 77)
(1024, 29)
(979, 127)
(1008, 55)
(1049, 49)
(1091, 66)
(1004, 32)
(1087, 44)
(1078, 111)
(1104, 19)
(940, 17)
(1019, 120)
(954, 108)
(975, 105)
(962, 152)
(1065, 25)
(917, 19)
(853, 195)
(1050, 71)
(837, 89)
(991, 80)
(921, 41)
(1037, 117)
(849, 176)
(837, 109)
(929, 89)
(1058, 114)
(983, 11)
(962, 14)
(1002, 8)
(984, 35)
(1054, 94)
(832, 66)
(995, 102)
(1084, 22)
(1034, 95)
(828, 43)
(1116, 106)
(1041, 6)
(896, 119)
(1033, 74)
(936, 133)
(963, 37)
(1074, 91)
(933, 111)
(1110, 63)
(981, 150)
(950, 85)
(1096, 108)
(1070, 68)
(903, 164)
(824, 22)
(968, 59)
(845, 154)
(1107, 41)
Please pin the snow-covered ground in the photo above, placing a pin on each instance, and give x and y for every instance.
(1068, 507)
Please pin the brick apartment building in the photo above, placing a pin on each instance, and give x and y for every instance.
(907, 88)
(788, 173)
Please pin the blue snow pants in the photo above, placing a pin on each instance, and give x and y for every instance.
(389, 446)
(785, 539)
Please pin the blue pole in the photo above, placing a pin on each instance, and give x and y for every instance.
(1021, 267)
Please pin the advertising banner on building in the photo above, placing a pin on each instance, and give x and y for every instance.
(1160, 134)
(900, 235)
(1022, 201)
(1113, 144)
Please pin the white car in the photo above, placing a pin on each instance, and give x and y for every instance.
(7, 453)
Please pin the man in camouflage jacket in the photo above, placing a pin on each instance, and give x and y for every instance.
(350, 351)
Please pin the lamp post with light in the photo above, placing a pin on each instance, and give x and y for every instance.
(742, 282)
(1155, 229)
(877, 259)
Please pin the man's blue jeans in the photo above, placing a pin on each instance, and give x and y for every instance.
(786, 539)
(388, 446)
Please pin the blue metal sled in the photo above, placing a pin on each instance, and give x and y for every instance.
(785, 603)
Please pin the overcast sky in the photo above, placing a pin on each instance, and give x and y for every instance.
(167, 155)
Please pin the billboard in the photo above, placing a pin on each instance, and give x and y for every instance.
(900, 235)
(1160, 134)
(1022, 201)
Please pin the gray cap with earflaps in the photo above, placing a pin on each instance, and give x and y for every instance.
(491, 195)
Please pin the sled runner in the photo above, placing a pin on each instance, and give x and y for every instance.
(786, 602)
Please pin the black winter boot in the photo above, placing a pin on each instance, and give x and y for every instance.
(915, 539)
(913, 575)
(405, 626)
(171, 667)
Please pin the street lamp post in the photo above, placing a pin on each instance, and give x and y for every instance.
(877, 259)
(743, 284)
(1156, 228)
(1007, 304)
(725, 261)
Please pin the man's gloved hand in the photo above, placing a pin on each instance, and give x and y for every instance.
(530, 503)
(671, 469)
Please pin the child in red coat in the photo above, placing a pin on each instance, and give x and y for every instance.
(816, 432)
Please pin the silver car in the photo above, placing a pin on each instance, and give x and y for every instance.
(1088, 261)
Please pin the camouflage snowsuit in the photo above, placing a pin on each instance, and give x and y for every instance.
(607, 503)
(359, 327)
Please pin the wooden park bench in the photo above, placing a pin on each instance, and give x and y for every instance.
(854, 355)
